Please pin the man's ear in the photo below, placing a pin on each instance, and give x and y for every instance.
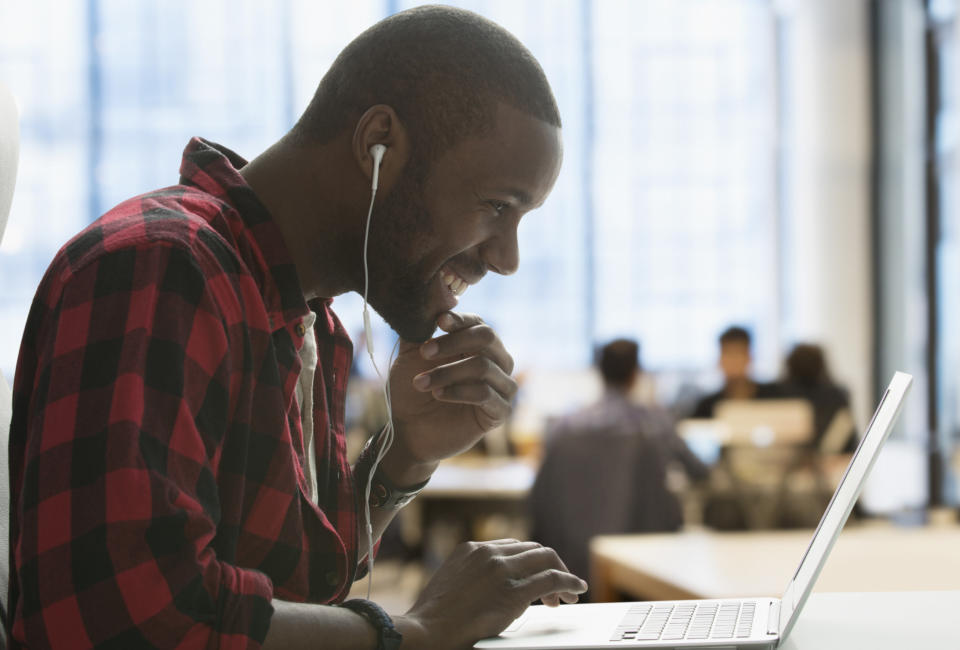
(380, 124)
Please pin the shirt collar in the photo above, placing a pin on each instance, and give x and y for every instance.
(214, 169)
(615, 395)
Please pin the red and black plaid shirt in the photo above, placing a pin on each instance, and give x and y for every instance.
(157, 490)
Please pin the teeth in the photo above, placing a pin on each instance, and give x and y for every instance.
(454, 283)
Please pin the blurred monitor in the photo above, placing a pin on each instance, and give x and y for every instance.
(749, 423)
(705, 437)
(762, 423)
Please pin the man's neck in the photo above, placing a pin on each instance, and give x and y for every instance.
(312, 214)
(741, 388)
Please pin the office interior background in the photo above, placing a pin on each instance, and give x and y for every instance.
(790, 166)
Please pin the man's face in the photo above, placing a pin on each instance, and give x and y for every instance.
(735, 360)
(433, 236)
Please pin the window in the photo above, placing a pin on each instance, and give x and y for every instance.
(662, 225)
(945, 38)
(684, 175)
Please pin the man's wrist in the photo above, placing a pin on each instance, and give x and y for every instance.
(402, 470)
(388, 636)
(414, 634)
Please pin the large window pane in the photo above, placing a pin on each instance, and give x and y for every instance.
(684, 177)
(661, 226)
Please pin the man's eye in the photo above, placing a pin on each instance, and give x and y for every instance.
(498, 206)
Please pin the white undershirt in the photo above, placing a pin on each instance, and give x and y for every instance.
(308, 360)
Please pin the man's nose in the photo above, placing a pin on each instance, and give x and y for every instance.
(502, 253)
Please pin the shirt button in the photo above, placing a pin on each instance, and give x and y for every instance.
(301, 330)
(333, 578)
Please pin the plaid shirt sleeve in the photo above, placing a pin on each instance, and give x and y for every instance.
(124, 385)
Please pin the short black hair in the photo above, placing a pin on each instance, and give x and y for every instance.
(619, 360)
(441, 69)
(735, 334)
(807, 365)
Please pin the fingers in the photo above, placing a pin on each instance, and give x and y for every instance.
(530, 570)
(467, 380)
(535, 572)
(544, 576)
(467, 335)
(509, 546)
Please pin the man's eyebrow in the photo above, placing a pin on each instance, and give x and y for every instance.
(519, 196)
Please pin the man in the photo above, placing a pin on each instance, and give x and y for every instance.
(167, 489)
(735, 361)
(605, 467)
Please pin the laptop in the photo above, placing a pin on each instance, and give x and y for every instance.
(723, 623)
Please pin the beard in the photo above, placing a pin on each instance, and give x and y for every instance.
(400, 231)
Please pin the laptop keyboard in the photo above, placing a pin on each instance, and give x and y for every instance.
(686, 620)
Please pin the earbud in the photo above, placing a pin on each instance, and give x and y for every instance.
(377, 152)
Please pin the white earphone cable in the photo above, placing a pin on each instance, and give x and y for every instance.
(387, 437)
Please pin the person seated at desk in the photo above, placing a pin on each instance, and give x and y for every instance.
(170, 486)
(735, 361)
(808, 376)
(605, 467)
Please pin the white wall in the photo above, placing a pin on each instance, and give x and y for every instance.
(826, 241)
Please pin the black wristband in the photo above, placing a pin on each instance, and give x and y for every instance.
(388, 638)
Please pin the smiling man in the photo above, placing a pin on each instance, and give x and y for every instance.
(178, 466)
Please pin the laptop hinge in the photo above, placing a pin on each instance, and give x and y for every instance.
(773, 618)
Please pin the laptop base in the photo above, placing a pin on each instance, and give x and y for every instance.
(593, 626)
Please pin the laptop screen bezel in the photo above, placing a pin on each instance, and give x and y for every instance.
(842, 502)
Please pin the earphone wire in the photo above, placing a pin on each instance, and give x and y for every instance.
(387, 437)
(385, 444)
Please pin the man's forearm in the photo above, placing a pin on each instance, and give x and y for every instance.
(379, 519)
(397, 467)
(302, 625)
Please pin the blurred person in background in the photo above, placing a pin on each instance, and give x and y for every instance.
(177, 457)
(735, 360)
(604, 468)
(807, 376)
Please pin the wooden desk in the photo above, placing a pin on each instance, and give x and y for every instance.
(481, 478)
(469, 498)
(704, 564)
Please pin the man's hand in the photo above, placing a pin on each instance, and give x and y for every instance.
(482, 587)
(446, 394)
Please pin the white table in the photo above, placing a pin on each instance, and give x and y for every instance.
(906, 620)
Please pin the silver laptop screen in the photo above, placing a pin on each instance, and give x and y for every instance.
(842, 502)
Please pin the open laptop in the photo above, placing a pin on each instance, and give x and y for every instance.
(726, 623)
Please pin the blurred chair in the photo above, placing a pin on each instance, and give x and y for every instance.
(9, 156)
